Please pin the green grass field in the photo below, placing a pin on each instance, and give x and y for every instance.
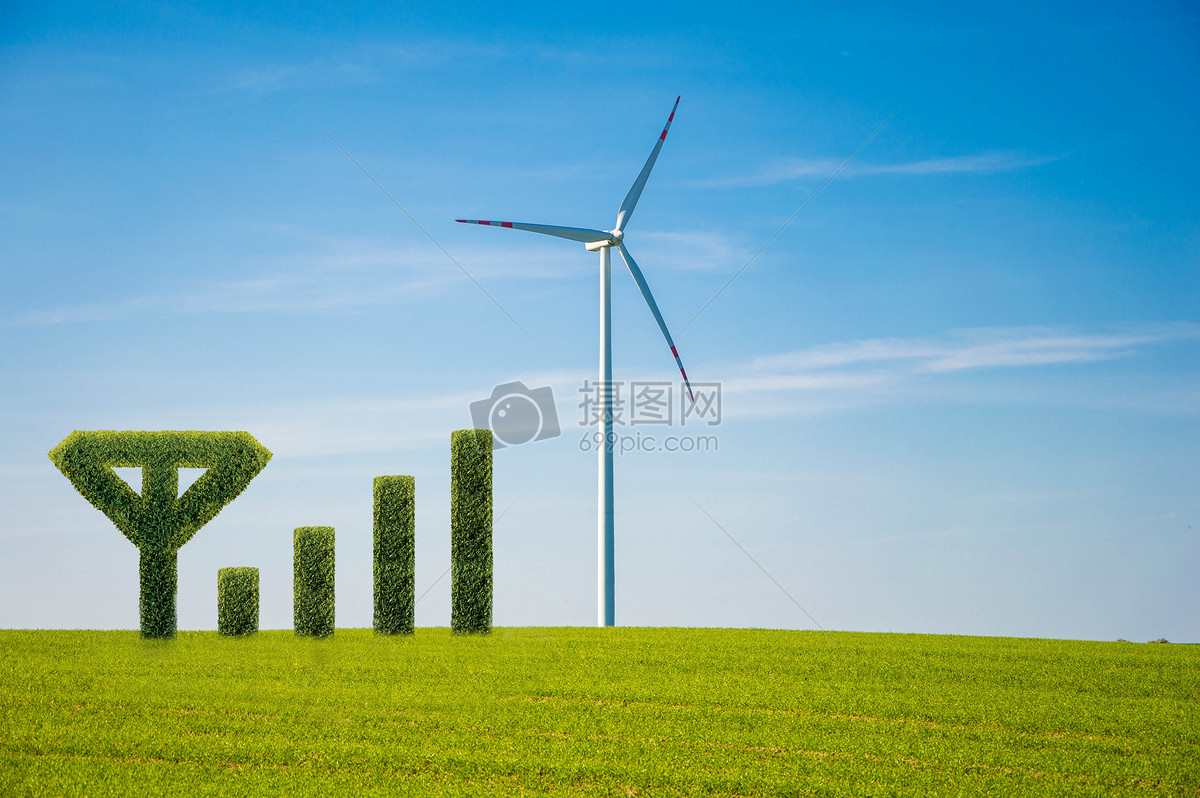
(580, 711)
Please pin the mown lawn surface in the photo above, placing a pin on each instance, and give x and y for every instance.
(579, 711)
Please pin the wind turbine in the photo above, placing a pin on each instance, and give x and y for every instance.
(603, 241)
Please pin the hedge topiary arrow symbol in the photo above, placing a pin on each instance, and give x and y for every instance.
(159, 521)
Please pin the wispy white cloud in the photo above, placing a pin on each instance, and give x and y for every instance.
(370, 63)
(334, 275)
(321, 73)
(310, 285)
(362, 65)
(853, 374)
(805, 382)
(790, 169)
(691, 250)
(973, 164)
(977, 348)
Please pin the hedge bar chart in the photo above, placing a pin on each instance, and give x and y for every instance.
(159, 522)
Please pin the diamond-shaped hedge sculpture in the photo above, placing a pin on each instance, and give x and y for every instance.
(159, 521)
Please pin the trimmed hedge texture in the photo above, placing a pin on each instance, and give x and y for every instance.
(237, 601)
(312, 570)
(471, 530)
(159, 521)
(395, 554)
(158, 575)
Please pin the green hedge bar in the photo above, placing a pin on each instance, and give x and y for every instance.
(237, 601)
(471, 530)
(312, 568)
(395, 554)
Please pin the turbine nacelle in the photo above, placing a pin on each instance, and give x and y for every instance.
(612, 241)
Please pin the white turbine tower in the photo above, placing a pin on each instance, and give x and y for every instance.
(604, 240)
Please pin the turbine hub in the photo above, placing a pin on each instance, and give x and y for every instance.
(611, 241)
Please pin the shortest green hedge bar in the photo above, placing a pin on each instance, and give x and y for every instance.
(237, 601)
(312, 585)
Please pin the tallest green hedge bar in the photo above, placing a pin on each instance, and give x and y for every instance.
(471, 530)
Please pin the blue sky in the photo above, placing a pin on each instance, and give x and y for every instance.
(960, 390)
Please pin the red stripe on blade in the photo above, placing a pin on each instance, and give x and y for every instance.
(673, 352)
(506, 224)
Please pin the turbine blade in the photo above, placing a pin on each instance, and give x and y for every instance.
(635, 191)
(662, 325)
(582, 234)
